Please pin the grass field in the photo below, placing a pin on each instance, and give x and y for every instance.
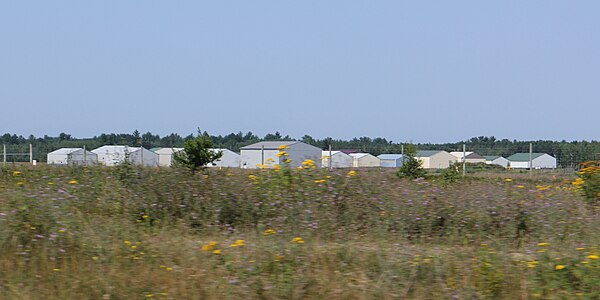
(130, 233)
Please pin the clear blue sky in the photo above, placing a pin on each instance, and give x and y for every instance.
(421, 71)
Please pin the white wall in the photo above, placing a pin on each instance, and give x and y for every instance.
(229, 159)
(150, 158)
(441, 160)
(338, 160)
(501, 161)
(249, 159)
(366, 161)
(544, 162)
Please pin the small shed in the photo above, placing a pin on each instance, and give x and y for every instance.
(364, 160)
(229, 159)
(339, 159)
(496, 160)
(71, 156)
(470, 157)
(266, 153)
(538, 161)
(435, 159)
(114, 155)
(391, 160)
(165, 155)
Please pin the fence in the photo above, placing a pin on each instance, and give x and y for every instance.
(16, 153)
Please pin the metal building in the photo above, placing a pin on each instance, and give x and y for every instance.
(114, 155)
(266, 153)
(71, 156)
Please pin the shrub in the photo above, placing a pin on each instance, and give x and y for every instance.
(452, 173)
(197, 152)
(589, 181)
(412, 168)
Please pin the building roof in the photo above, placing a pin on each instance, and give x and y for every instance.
(469, 155)
(359, 155)
(268, 145)
(427, 153)
(492, 157)
(348, 151)
(222, 150)
(115, 148)
(326, 152)
(524, 156)
(165, 150)
(65, 151)
(274, 145)
(460, 153)
(390, 156)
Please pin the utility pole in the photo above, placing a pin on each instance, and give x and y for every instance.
(530, 159)
(84, 156)
(464, 161)
(4, 153)
(330, 157)
(262, 156)
(30, 154)
(402, 154)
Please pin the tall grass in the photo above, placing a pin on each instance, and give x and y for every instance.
(131, 233)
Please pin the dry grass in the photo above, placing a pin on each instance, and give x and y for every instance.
(128, 233)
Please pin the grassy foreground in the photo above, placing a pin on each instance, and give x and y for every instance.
(129, 233)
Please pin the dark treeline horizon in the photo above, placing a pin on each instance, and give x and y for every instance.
(568, 154)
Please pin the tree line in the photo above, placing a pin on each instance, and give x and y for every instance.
(568, 154)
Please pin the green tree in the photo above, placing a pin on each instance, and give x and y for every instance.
(197, 152)
(411, 168)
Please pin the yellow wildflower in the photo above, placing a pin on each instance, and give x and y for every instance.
(238, 243)
(298, 240)
(17, 173)
(210, 246)
(217, 252)
(127, 242)
(559, 267)
(593, 256)
(578, 182)
(520, 186)
(282, 153)
(72, 181)
(508, 179)
(269, 232)
(532, 264)
(309, 163)
(543, 244)
(580, 249)
(352, 173)
(282, 147)
(56, 270)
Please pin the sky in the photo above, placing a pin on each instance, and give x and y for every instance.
(418, 71)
